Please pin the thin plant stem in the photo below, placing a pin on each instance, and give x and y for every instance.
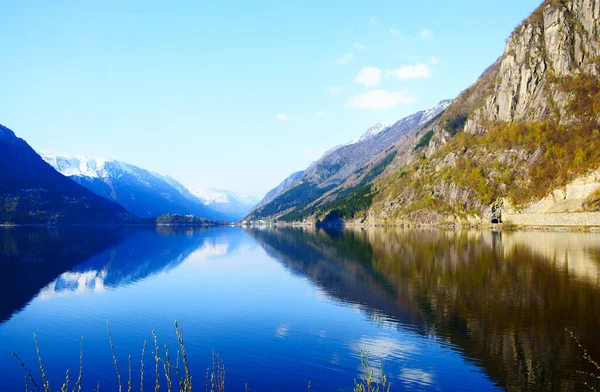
(112, 347)
(168, 369)
(142, 368)
(188, 377)
(77, 387)
(157, 359)
(129, 374)
(65, 386)
(27, 372)
(39, 355)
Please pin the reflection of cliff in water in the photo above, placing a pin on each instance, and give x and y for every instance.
(504, 299)
(31, 258)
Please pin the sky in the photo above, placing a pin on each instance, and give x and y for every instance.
(234, 95)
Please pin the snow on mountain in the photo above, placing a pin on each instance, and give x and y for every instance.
(372, 132)
(429, 114)
(376, 129)
(234, 204)
(140, 191)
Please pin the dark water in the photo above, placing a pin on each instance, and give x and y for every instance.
(442, 310)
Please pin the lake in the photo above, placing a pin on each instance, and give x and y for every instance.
(441, 310)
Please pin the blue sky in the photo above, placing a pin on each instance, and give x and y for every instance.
(234, 94)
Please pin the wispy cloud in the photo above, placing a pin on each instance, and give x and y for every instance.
(334, 90)
(375, 21)
(380, 100)
(426, 33)
(344, 59)
(410, 72)
(369, 76)
(282, 117)
(359, 46)
(321, 113)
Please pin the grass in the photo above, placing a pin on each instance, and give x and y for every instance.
(595, 375)
(177, 378)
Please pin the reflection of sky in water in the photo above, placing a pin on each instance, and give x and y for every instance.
(275, 329)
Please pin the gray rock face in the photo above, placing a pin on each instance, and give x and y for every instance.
(558, 40)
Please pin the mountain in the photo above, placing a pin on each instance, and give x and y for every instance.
(141, 192)
(233, 204)
(273, 193)
(32, 192)
(337, 170)
(372, 132)
(520, 145)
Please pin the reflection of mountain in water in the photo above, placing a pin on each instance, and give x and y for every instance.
(335, 260)
(499, 298)
(30, 258)
(87, 261)
(142, 255)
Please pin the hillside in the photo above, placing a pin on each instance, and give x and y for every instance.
(140, 191)
(278, 190)
(32, 192)
(337, 172)
(522, 142)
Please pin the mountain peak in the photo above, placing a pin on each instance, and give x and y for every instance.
(372, 132)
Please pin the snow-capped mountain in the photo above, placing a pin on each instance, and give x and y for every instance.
(234, 204)
(372, 132)
(140, 191)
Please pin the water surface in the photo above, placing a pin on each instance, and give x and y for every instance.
(442, 310)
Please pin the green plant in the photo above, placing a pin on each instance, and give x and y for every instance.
(368, 381)
(215, 376)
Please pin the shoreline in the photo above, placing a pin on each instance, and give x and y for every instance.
(492, 227)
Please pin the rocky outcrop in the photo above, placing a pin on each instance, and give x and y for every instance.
(559, 40)
(570, 198)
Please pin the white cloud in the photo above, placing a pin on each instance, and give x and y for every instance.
(359, 46)
(345, 58)
(395, 32)
(282, 331)
(434, 60)
(334, 90)
(321, 113)
(380, 100)
(368, 76)
(384, 347)
(375, 21)
(417, 376)
(426, 33)
(409, 72)
(282, 117)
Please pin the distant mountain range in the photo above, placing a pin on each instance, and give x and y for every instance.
(233, 204)
(141, 192)
(32, 192)
(148, 194)
(50, 188)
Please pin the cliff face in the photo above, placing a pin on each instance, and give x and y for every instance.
(559, 40)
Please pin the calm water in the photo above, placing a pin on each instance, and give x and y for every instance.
(442, 310)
